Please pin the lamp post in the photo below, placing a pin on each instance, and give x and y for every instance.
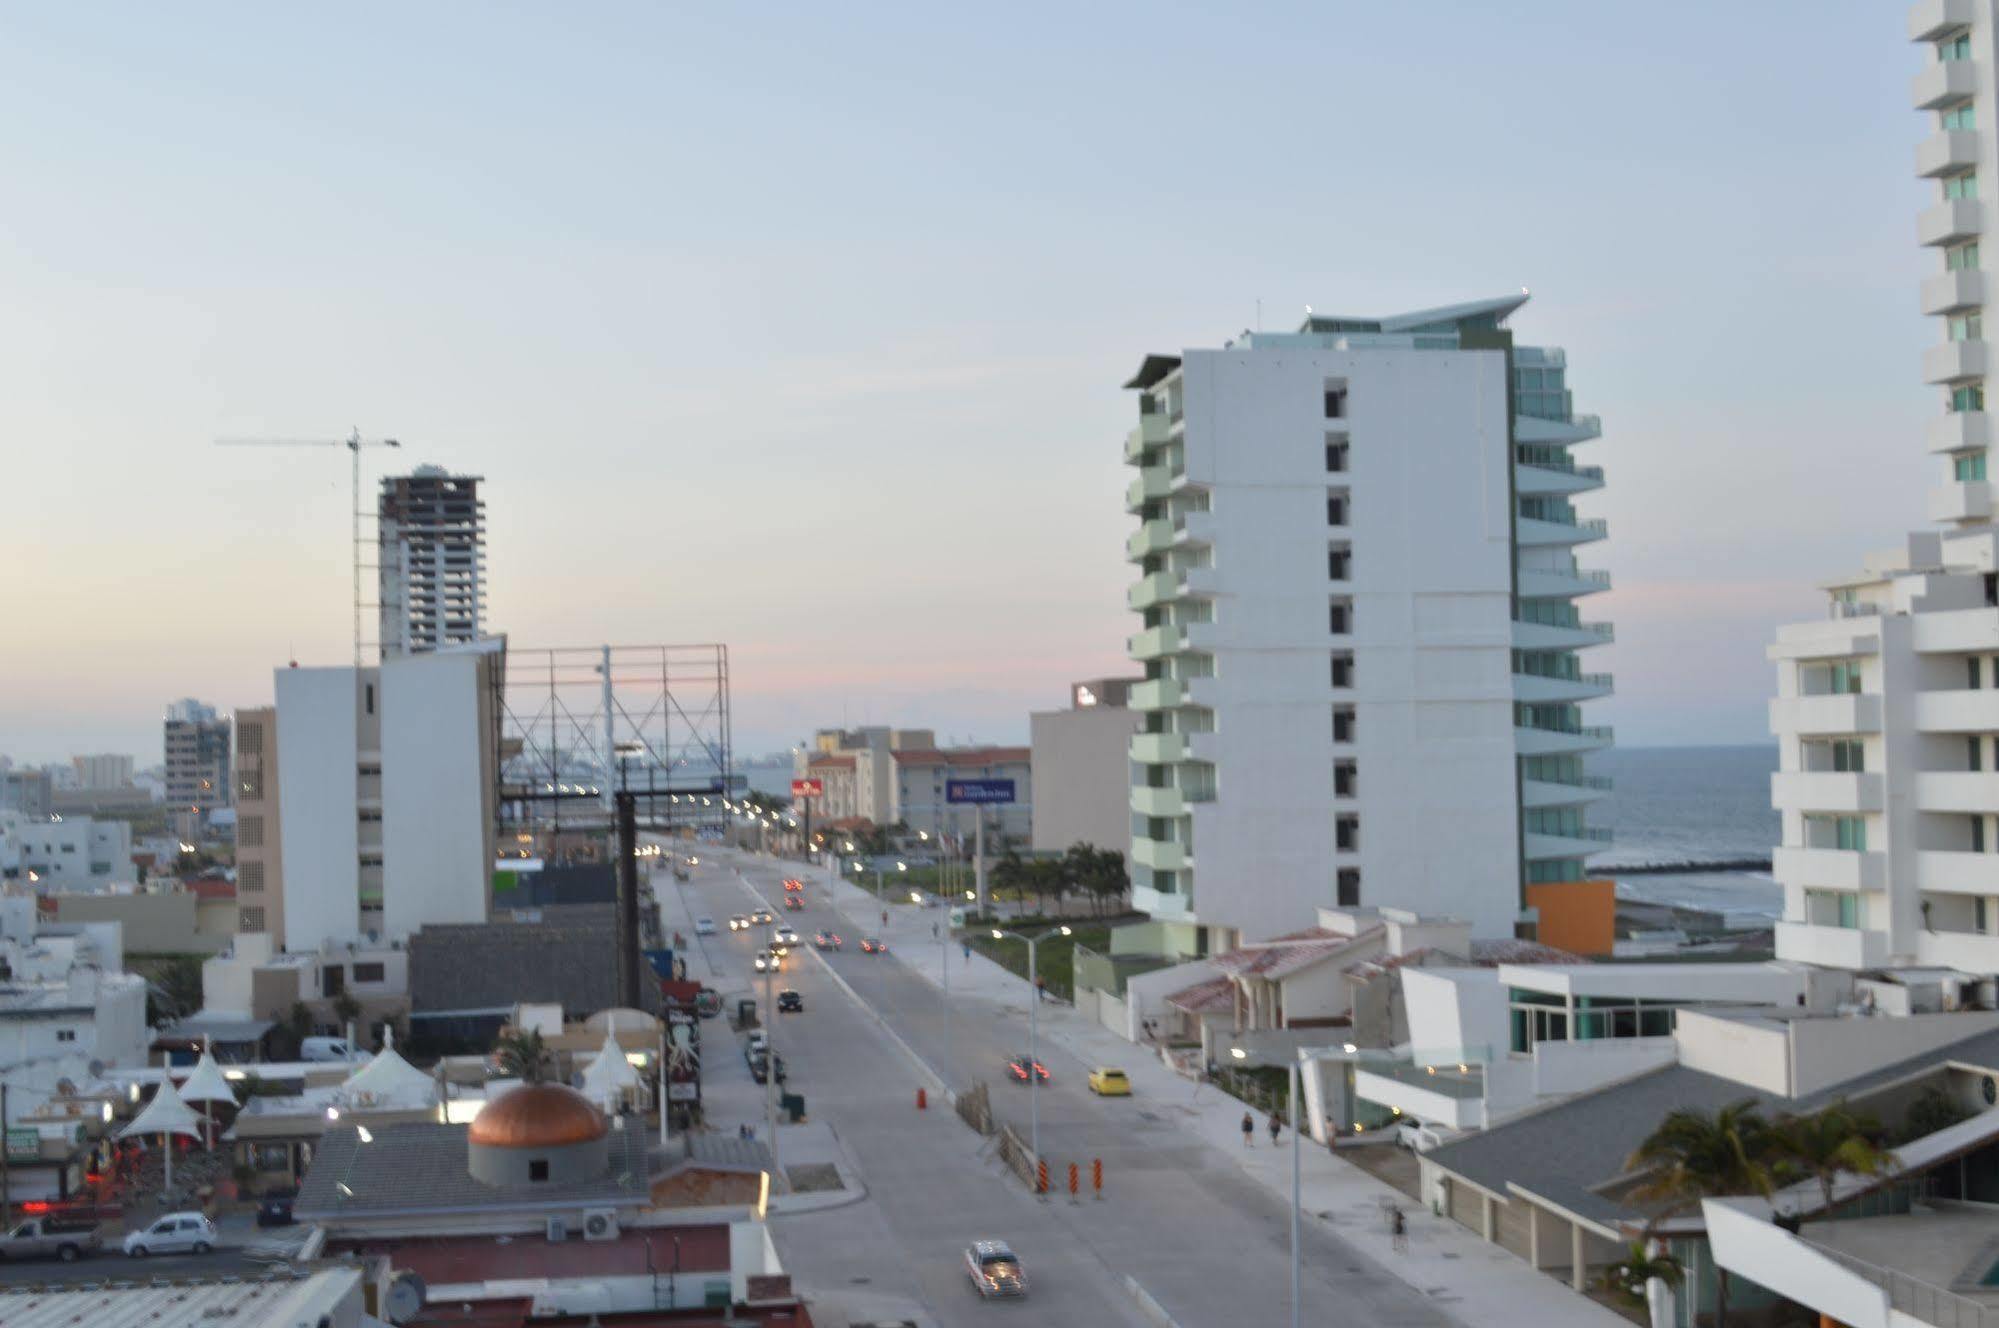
(1033, 1035)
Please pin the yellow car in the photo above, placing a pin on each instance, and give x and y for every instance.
(1106, 1082)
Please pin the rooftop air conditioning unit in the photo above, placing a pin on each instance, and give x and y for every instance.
(600, 1224)
(558, 1229)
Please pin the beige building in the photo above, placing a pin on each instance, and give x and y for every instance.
(157, 922)
(106, 770)
(855, 767)
(197, 758)
(260, 883)
(1081, 768)
(919, 792)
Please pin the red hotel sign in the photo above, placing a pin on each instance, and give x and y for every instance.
(807, 788)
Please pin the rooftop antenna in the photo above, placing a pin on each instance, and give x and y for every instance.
(353, 442)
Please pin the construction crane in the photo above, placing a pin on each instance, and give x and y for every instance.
(353, 442)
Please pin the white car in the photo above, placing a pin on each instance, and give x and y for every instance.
(704, 926)
(738, 922)
(768, 962)
(786, 936)
(176, 1233)
(1421, 1138)
(995, 1269)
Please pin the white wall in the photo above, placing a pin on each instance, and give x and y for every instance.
(1761, 984)
(1431, 532)
(1746, 1242)
(1455, 1014)
(1562, 1068)
(435, 865)
(1145, 995)
(1082, 777)
(318, 760)
(1758, 1055)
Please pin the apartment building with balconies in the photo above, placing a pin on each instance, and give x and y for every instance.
(1358, 593)
(432, 561)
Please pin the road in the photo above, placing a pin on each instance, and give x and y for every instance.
(1205, 1241)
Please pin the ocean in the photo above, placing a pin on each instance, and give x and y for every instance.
(1669, 805)
(1690, 805)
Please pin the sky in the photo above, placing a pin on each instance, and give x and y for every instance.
(801, 328)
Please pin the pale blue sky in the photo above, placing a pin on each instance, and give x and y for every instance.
(801, 327)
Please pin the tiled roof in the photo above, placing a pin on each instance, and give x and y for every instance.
(1509, 950)
(964, 756)
(1214, 996)
(831, 763)
(416, 1168)
(1287, 955)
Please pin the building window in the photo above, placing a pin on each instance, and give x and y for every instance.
(369, 973)
(1343, 723)
(1346, 833)
(1966, 327)
(1969, 397)
(1348, 887)
(1336, 454)
(1973, 671)
(1339, 562)
(1346, 779)
(1981, 913)
(1968, 467)
(1340, 617)
(1336, 402)
(1336, 509)
(251, 918)
(369, 690)
(1961, 186)
(1956, 47)
(1959, 116)
(1343, 669)
(250, 877)
(1832, 908)
(1845, 677)
(538, 1169)
(1978, 834)
(65, 1035)
(1961, 257)
(250, 832)
(1849, 756)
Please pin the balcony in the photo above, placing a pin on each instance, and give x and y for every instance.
(1947, 292)
(1149, 486)
(1547, 793)
(1151, 432)
(1958, 430)
(1534, 687)
(1950, 222)
(1154, 642)
(1943, 82)
(1532, 479)
(1958, 873)
(1540, 848)
(1548, 742)
(1965, 501)
(1151, 590)
(1158, 854)
(1156, 694)
(1931, 19)
(1969, 791)
(1965, 951)
(1947, 152)
(1830, 868)
(1194, 528)
(1157, 801)
(1547, 636)
(1966, 710)
(1825, 791)
(1154, 536)
(1534, 533)
(1954, 361)
(1831, 947)
(1842, 713)
(1575, 429)
(1200, 581)
(1158, 748)
(1537, 584)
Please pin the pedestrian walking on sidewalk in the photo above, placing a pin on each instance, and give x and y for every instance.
(1275, 1126)
(1398, 1231)
(1248, 1130)
(968, 951)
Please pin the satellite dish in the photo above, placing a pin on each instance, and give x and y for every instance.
(97, 1069)
(405, 1298)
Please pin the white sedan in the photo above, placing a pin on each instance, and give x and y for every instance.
(704, 926)
(175, 1233)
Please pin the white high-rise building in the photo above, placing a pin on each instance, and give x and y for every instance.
(1361, 641)
(1886, 716)
(385, 784)
(432, 560)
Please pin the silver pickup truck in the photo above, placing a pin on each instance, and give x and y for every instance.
(50, 1238)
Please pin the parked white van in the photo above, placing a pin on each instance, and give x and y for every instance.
(323, 1049)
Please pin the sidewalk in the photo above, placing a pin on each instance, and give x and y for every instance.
(1478, 1282)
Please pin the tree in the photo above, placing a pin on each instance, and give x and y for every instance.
(1099, 874)
(1828, 1142)
(1935, 1110)
(524, 1056)
(346, 1009)
(175, 991)
(1009, 873)
(293, 1030)
(1628, 1277)
(1694, 1155)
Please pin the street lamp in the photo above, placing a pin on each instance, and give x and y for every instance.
(1033, 1036)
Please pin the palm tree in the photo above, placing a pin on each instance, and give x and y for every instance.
(523, 1056)
(1694, 1155)
(1629, 1275)
(1828, 1142)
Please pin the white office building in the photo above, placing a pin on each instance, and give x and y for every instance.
(1358, 579)
(385, 790)
(1886, 716)
(65, 853)
(66, 1001)
(432, 560)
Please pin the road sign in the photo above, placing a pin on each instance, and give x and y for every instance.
(808, 788)
(978, 790)
(24, 1145)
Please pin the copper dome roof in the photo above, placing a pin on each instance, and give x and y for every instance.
(538, 1116)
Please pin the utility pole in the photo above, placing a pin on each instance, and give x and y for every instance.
(626, 807)
(6, 1168)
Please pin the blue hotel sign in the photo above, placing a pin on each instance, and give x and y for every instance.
(978, 790)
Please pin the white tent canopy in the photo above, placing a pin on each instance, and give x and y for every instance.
(165, 1114)
(388, 1078)
(207, 1083)
(610, 1077)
